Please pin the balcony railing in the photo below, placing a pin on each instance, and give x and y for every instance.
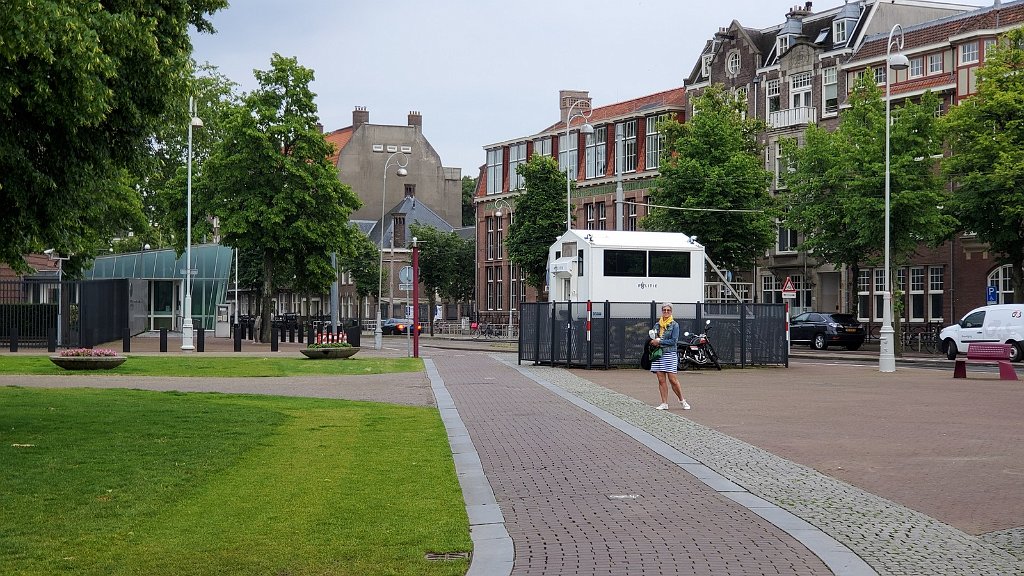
(793, 117)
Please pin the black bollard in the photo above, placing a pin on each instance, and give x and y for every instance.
(273, 338)
(283, 333)
(163, 339)
(299, 333)
(200, 339)
(238, 339)
(352, 334)
(51, 340)
(291, 334)
(126, 342)
(310, 335)
(14, 339)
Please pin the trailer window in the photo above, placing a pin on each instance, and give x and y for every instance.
(669, 265)
(625, 263)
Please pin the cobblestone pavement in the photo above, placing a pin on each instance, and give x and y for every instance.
(893, 539)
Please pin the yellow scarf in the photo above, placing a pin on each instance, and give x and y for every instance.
(663, 324)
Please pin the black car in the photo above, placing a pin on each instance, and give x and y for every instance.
(823, 329)
(398, 326)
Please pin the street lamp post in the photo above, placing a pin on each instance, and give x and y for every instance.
(401, 163)
(886, 351)
(511, 287)
(186, 324)
(585, 129)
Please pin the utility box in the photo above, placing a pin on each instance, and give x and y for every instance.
(222, 326)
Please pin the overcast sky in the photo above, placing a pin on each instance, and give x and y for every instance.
(479, 71)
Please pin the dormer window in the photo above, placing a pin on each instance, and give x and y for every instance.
(705, 65)
(782, 44)
(839, 33)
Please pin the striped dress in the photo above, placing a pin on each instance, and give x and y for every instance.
(669, 361)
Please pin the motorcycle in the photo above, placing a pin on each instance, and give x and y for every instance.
(696, 350)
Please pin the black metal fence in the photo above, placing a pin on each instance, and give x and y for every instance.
(556, 333)
(67, 314)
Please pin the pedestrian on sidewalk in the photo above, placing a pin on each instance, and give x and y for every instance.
(666, 335)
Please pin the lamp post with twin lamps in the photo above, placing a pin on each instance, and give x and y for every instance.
(497, 204)
(401, 163)
(586, 129)
(186, 324)
(886, 351)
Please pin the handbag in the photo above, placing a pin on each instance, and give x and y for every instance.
(656, 353)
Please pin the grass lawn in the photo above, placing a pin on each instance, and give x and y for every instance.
(229, 366)
(128, 482)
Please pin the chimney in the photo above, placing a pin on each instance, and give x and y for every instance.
(320, 127)
(578, 100)
(415, 119)
(360, 116)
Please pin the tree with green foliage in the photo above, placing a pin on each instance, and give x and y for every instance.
(272, 186)
(468, 208)
(713, 184)
(985, 134)
(836, 183)
(84, 88)
(446, 264)
(538, 218)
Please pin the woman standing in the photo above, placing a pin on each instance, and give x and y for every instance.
(666, 336)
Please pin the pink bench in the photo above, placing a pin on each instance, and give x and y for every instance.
(987, 352)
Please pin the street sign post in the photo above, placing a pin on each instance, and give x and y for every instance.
(788, 288)
(991, 295)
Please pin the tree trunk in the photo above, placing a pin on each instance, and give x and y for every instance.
(852, 301)
(268, 271)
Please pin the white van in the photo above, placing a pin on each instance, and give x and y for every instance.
(999, 323)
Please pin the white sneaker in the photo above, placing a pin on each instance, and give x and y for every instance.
(662, 407)
(685, 405)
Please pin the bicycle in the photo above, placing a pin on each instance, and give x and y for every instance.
(484, 330)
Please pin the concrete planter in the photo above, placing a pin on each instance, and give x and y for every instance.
(329, 353)
(88, 362)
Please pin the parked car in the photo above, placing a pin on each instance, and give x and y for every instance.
(398, 326)
(999, 323)
(823, 329)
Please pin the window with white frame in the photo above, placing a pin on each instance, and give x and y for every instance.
(788, 240)
(568, 154)
(830, 90)
(782, 167)
(863, 295)
(935, 63)
(494, 175)
(800, 89)
(499, 229)
(655, 139)
(771, 290)
(630, 222)
(917, 294)
(990, 43)
(492, 242)
(916, 67)
(733, 63)
(516, 156)
(839, 32)
(628, 131)
(771, 92)
(517, 287)
(602, 216)
(542, 146)
(969, 52)
(499, 288)
(781, 45)
(1002, 280)
(879, 288)
(879, 72)
(596, 153)
(803, 292)
(936, 290)
(490, 287)
(589, 210)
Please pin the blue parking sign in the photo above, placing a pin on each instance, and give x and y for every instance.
(991, 295)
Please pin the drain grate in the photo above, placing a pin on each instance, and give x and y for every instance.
(447, 555)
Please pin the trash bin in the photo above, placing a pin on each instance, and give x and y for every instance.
(352, 335)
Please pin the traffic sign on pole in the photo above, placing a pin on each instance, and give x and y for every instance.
(788, 288)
